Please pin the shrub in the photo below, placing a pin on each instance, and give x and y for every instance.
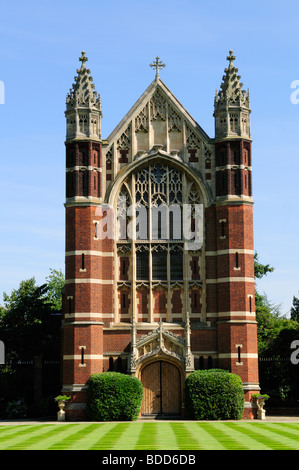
(17, 409)
(113, 396)
(213, 395)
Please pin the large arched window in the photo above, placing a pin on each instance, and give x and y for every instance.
(153, 229)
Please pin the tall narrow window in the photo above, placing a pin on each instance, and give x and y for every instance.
(82, 356)
(124, 267)
(159, 264)
(195, 266)
(239, 353)
(159, 225)
(71, 179)
(85, 183)
(250, 304)
(222, 223)
(237, 182)
(82, 261)
(142, 266)
(123, 301)
(171, 225)
(237, 259)
(70, 305)
(176, 265)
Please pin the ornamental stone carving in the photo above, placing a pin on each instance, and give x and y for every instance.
(161, 342)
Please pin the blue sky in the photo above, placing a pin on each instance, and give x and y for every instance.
(40, 43)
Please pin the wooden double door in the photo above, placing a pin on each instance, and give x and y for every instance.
(161, 389)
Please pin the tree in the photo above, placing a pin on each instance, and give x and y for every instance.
(261, 270)
(275, 335)
(295, 309)
(55, 286)
(28, 325)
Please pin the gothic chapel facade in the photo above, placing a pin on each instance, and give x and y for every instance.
(143, 295)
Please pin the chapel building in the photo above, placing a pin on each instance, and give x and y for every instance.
(159, 275)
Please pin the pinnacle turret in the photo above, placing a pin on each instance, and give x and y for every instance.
(82, 93)
(83, 105)
(232, 105)
(231, 91)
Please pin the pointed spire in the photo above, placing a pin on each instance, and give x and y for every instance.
(82, 93)
(83, 106)
(231, 92)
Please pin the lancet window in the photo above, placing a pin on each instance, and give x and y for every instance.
(151, 221)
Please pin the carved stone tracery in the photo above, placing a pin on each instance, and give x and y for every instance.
(161, 342)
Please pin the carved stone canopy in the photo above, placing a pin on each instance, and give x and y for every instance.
(161, 342)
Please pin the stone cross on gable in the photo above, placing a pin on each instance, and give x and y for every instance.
(83, 59)
(157, 65)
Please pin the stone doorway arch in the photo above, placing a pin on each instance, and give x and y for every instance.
(162, 389)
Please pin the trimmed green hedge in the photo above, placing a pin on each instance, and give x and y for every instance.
(113, 396)
(214, 394)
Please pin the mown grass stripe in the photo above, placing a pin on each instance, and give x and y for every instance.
(289, 433)
(253, 430)
(166, 436)
(7, 429)
(90, 438)
(207, 440)
(11, 427)
(152, 436)
(250, 442)
(54, 439)
(217, 431)
(147, 439)
(291, 426)
(185, 439)
(17, 434)
(34, 440)
(110, 439)
(130, 437)
(72, 438)
(90, 434)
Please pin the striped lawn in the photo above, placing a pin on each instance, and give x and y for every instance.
(151, 436)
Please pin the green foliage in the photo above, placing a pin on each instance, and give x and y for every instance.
(262, 396)
(275, 335)
(295, 309)
(55, 283)
(214, 394)
(62, 398)
(28, 326)
(17, 409)
(113, 396)
(261, 270)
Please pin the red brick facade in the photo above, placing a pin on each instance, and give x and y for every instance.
(193, 308)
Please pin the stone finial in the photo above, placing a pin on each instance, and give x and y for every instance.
(83, 58)
(158, 64)
(231, 58)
